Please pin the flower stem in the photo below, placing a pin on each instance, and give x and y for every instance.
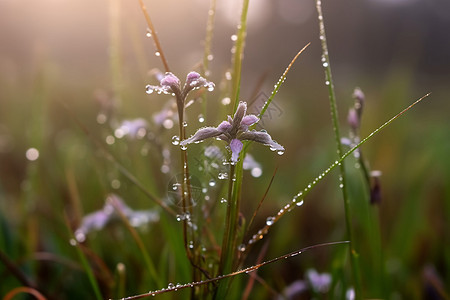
(229, 242)
(334, 117)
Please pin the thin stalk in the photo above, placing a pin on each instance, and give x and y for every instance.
(337, 135)
(154, 36)
(239, 55)
(228, 242)
(227, 236)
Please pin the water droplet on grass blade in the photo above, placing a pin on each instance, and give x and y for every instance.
(241, 248)
(269, 221)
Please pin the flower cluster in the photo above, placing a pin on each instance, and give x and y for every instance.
(170, 84)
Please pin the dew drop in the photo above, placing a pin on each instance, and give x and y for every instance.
(32, 154)
(325, 64)
(165, 169)
(327, 82)
(110, 140)
(234, 38)
(80, 236)
(210, 87)
(281, 152)
(183, 147)
(167, 124)
(157, 53)
(241, 248)
(171, 286)
(184, 124)
(269, 221)
(101, 118)
(212, 182)
(175, 140)
(72, 242)
(149, 89)
(223, 176)
(256, 172)
(223, 200)
(226, 101)
(300, 203)
(210, 57)
(115, 184)
(201, 118)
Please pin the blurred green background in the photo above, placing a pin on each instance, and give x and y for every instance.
(95, 59)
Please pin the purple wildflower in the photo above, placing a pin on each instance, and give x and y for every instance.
(170, 84)
(99, 219)
(234, 131)
(136, 128)
(319, 282)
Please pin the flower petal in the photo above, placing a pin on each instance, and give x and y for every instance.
(195, 81)
(170, 80)
(236, 147)
(249, 120)
(238, 116)
(261, 137)
(201, 134)
(224, 126)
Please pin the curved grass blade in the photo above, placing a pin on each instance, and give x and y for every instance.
(281, 81)
(242, 271)
(22, 289)
(299, 198)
